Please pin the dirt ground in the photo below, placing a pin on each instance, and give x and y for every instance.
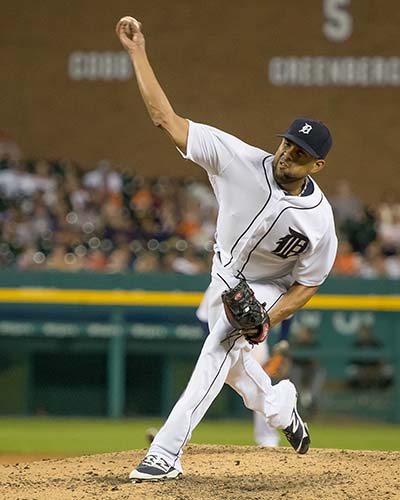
(211, 472)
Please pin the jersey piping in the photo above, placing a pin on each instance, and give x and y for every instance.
(271, 306)
(256, 216)
(272, 225)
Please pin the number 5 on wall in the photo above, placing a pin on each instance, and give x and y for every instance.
(338, 23)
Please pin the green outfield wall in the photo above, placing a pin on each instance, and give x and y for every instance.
(125, 344)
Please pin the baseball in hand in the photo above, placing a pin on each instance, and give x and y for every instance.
(130, 25)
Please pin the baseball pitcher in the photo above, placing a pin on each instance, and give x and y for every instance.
(275, 245)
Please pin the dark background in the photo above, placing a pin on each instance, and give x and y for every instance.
(212, 59)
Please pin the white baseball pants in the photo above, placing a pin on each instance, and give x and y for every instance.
(225, 358)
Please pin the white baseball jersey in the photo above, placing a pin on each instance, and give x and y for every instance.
(263, 231)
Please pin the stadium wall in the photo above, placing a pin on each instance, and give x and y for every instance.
(247, 68)
(125, 344)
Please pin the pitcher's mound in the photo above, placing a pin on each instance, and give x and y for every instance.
(212, 473)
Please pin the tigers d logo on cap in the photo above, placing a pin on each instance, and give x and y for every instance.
(306, 128)
(311, 135)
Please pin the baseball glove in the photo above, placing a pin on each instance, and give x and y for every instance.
(245, 313)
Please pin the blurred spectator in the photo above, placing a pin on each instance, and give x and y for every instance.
(30, 258)
(119, 260)
(361, 230)
(9, 148)
(147, 263)
(44, 182)
(373, 264)
(17, 181)
(389, 234)
(368, 370)
(392, 267)
(307, 373)
(345, 204)
(103, 178)
(188, 263)
(388, 207)
(168, 261)
(96, 261)
(347, 262)
(62, 260)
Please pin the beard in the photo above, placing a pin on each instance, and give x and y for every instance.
(282, 176)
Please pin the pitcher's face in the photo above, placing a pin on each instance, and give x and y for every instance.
(291, 163)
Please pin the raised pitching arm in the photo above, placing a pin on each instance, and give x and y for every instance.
(129, 32)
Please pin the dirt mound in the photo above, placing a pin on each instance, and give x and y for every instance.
(212, 473)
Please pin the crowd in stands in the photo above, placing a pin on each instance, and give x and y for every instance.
(369, 236)
(57, 215)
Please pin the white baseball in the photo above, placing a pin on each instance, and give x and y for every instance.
(130, 20)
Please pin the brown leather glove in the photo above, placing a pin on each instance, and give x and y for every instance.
(245, 313)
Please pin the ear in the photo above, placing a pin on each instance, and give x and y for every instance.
(318, 165)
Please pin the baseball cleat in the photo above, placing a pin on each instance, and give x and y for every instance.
(297, 433)
(153, 468)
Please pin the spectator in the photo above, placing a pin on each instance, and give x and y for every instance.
(103, 178)
(96, 261)
(388, 207)
(347, 262)
(30, 258)
(188, 263)
(307, 373)
(389, 234)
(44, 182)
(119, 260)
(373, 263)
(56, 259)
(368, 371)
(346, 205)
(361, 230)
(9, 149)
(392, 267)
(147, 262)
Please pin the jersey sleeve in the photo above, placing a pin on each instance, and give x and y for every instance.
(313, 267)
(210, 148)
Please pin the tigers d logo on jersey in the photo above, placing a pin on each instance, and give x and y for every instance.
(292, 244)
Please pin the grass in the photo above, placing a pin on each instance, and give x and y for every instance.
(72, 436)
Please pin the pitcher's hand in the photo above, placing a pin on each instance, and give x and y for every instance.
(129, 32)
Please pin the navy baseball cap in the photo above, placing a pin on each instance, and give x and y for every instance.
(310, 135)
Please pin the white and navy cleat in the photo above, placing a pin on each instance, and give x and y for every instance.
(154, 468)
(297, 433)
